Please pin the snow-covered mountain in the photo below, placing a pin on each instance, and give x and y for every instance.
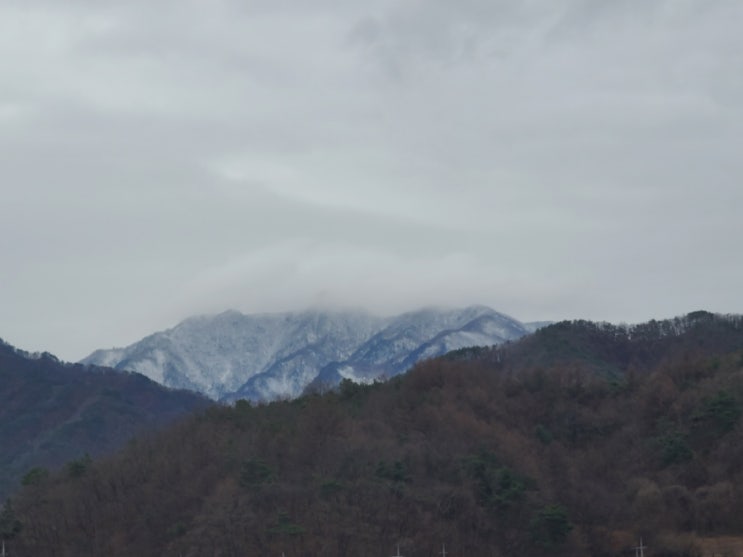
(267, 356)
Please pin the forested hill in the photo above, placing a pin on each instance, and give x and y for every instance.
(578, 440)
(614, 349)
(52, 412)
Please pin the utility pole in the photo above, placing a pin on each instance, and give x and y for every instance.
(640, 549)
(398, 552)
(443, 550)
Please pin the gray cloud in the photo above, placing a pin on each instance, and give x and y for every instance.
(549, 158)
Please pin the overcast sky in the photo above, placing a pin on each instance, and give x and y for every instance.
(549, 158)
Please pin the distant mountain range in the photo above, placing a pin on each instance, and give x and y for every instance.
(575, 440)
(265, 357)
(52, 412)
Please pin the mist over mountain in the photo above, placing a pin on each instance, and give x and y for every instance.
(264, 357)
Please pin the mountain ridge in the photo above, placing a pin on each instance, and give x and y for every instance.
(266, 356)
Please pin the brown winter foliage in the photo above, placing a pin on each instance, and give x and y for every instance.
(577, 440)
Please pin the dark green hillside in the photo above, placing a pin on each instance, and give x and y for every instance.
(51, 413)
(492, 452)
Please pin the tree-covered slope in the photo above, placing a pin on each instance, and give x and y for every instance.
(491, 452)
(51, 412)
